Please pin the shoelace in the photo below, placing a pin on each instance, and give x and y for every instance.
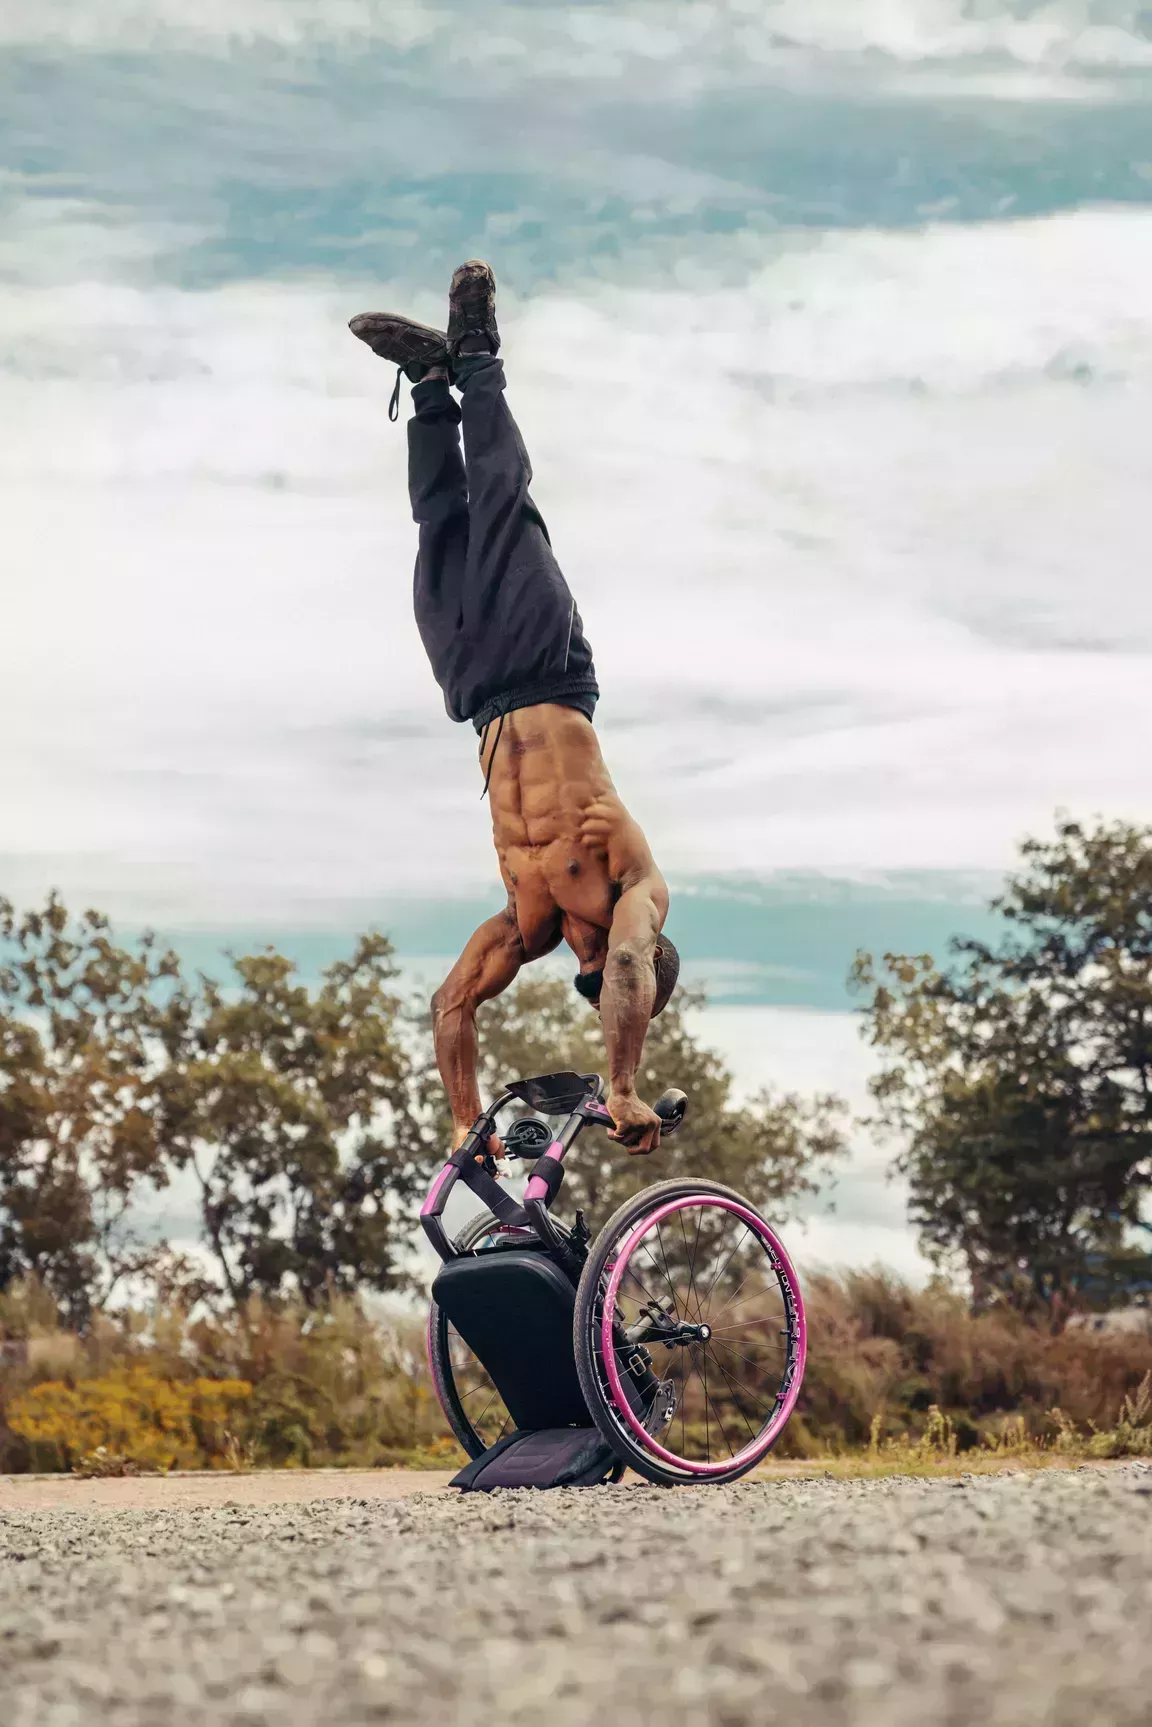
(394, 404)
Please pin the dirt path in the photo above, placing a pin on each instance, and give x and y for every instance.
(180, 1492)
(185, 1491)
(1002, 1601)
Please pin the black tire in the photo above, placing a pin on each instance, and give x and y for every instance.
(586, 1326)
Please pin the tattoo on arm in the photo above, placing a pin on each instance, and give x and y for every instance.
(630, 979)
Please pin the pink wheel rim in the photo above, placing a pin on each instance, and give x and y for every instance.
(781, 1264)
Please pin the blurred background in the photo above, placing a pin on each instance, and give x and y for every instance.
(827, 325)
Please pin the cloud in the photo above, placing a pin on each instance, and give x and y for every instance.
(861, 1219)
(863, 566)
(609, 36)
(355, 137)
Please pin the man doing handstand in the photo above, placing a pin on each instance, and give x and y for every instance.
(508, 649)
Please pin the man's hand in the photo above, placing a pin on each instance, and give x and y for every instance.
(495, 1143)
(637, 1126)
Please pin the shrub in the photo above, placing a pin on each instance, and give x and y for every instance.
(881, 1349)
(133, 1415)
(905, 1373)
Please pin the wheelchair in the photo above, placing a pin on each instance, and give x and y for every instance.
(673, 1344)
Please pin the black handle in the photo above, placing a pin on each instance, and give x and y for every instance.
(671, 1106)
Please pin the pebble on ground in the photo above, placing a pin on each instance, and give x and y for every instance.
(1021, 1601)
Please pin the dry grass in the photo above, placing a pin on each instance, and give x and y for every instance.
(887, 1361)
(293, 1388)
(899, 1382)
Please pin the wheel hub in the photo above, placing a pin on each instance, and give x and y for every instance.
(661, 1327)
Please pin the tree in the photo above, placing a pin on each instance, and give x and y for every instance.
(297, 1115)
(1020, 1076)
(306, 1121)
(80, 1142)
(775, 1149)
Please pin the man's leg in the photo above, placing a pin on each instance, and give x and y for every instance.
(438, 490)
(516, 596)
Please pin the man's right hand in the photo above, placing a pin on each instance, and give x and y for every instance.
(495, 1143)
(637, 1126)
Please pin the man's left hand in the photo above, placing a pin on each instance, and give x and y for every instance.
(637, 1126)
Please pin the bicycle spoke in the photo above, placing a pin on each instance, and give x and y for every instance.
(772, 1319)
(694, 1368)
(629, 1272)
(732, 1302)
(712, 1406)
(726, 1263)
(752, 1362)
(688, 1257)
(479, 1418)
(667, 1273)
(656, 1265)
(755, 1296)
(737, 1392)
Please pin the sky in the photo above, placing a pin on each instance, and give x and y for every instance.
(827, 325)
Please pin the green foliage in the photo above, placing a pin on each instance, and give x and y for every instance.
(1020, 1076)
(80, 1136)
(1131, 1435)
(775, 1149)
(299, 1115)
(309, 1120)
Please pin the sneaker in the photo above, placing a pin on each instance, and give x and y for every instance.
(472, 310)
(411, 346)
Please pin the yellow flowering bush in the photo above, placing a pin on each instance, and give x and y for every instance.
(134, 1416)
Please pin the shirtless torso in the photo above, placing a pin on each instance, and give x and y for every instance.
(577, 868)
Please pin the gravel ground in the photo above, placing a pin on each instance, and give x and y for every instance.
(1004, 1601)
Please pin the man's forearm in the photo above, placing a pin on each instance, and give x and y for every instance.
(457, 1057)
(625, 1010)
(488, 964)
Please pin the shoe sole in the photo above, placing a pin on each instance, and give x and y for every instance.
(401, 340)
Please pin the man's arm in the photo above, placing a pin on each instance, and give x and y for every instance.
(487, 966)
(626, 1006)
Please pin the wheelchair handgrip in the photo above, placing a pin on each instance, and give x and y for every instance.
(671, 1106)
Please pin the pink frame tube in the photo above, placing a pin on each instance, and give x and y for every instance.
(437, 1188)
(537, 1187)
(763, 1443)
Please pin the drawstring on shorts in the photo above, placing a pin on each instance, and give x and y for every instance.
(492, 757)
